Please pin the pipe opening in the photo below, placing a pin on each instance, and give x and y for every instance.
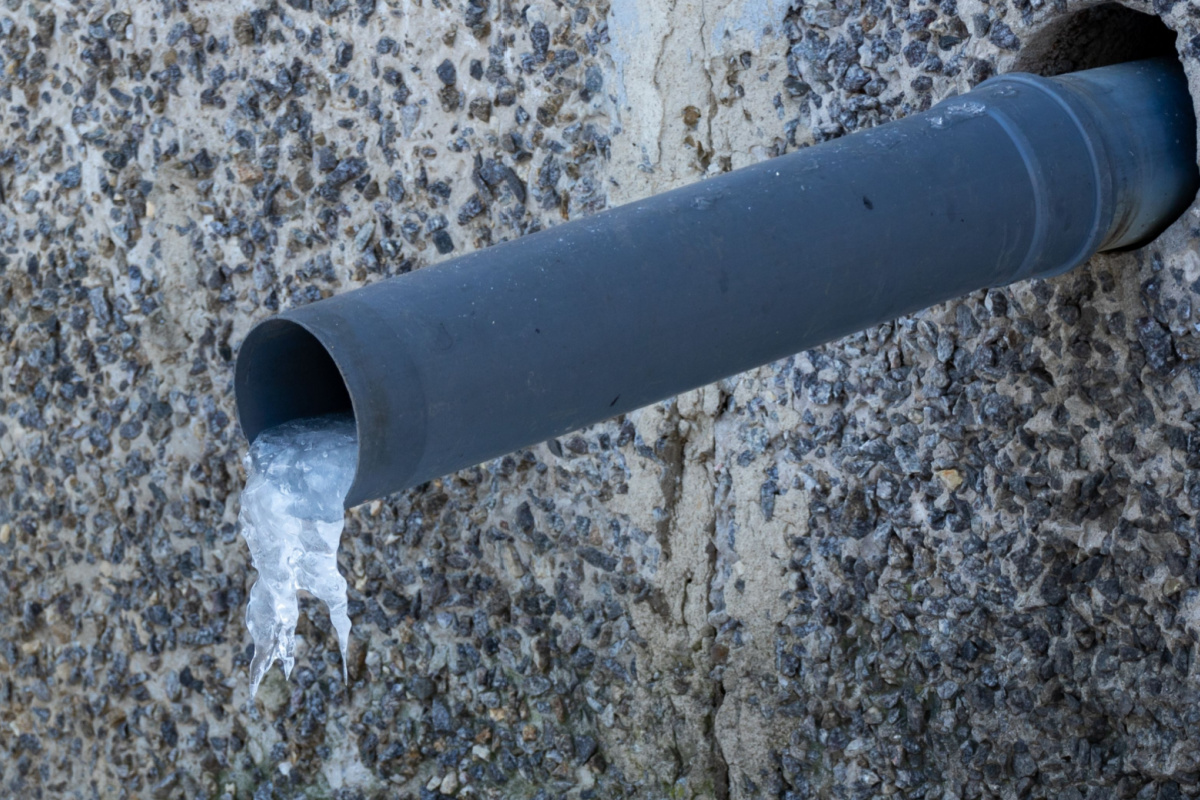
(285, 373)
(1100, 36)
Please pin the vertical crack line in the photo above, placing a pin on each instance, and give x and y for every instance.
(712, 90)
(658, 88)
(720, 764)
(672, 451)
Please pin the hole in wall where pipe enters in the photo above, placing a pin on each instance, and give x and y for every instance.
(1099, 36)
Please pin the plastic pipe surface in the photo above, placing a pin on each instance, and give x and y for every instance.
(464, 361)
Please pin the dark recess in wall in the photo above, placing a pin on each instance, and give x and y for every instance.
(1095, 37)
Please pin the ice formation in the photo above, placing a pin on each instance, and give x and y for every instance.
(292, 514)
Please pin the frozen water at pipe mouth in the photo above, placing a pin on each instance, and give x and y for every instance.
(292, 515)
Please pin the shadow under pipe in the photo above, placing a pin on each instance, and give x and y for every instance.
(464, 361)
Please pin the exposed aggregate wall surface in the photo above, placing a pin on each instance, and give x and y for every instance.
(952, 557)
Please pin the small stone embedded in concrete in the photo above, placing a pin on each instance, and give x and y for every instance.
(950, 478)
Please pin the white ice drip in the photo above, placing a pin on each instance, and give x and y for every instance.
(292, 515)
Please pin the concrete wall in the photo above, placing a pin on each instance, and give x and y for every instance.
(951, 557)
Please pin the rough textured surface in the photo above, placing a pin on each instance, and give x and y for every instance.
(952, 557)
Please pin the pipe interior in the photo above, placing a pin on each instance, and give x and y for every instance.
(288, 375)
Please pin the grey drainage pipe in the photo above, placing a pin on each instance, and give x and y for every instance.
(461, 362)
